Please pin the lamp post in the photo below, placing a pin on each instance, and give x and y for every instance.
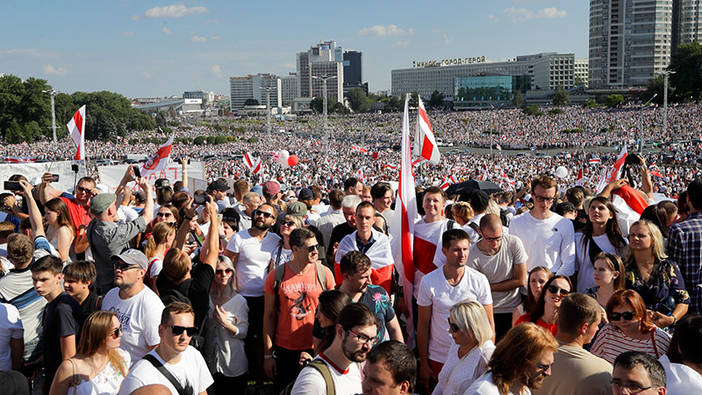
(324, 79)
(666, 74)
(268, 108)
(641, 135)
(52, 93)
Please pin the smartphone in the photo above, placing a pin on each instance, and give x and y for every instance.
(137, 172)
(200, 198)
(12, 186)
(54, 178)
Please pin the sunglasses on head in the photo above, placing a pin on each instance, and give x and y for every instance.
(453, 327)
(262, 213)
(178, 330)
(557, 291)
(627, 315)
(221, 272)
(117, 332)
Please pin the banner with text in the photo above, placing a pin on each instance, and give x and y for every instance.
(112, 175)
(33, 170)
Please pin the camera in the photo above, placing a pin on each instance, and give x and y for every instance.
(633, 160)
(13, 186)
(200, 198)
(54, 178)
(137, 172)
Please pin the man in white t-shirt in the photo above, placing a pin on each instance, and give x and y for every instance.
(11, 338)
(438, 291)
(184, 363)
(548, 238)
(138, 308)
(502, 259)
(427, 235)
(251, 251)
(355, 336)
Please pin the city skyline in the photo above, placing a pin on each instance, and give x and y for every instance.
(164, 48)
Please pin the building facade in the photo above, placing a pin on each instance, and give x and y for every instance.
(489, 90)
(547, 71)
(255, 87)
(353, 71)
(630, 42)
(322, 61)
(288, 88)
(687, 15)
(580, 72)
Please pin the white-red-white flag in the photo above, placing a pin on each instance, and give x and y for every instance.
(76, 128)
(359, 175)
(594, 161)
(402, 227)
(159, 160)
(579, 180)
(252, 163)
(616, 171)
(424, 142)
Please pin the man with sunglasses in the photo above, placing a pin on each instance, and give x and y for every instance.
(251, 251)
(138, 308)
(502, 259)
(548, 238)
(355, 336)
(174, 363)
(290, 305)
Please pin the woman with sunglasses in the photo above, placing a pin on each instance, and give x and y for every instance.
(545, 312)
(657, 279)
(538, 276)
(469, 355)
(157, 245)
(629, 329)
(600, 234)
(283, 252)
(59, 228)
(225, 339)
(100, 365)
(608, 276)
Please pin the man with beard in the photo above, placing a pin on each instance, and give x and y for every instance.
(250, 252)
(356, 332)
(519, 364)
(183, 362)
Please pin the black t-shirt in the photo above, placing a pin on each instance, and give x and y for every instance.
(91, 304)
(338, 233)
(196, 289)
(62, 317)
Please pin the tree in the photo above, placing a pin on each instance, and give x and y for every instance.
(560, 97)
(686, 62)
(317, 105)
(436, 100)
(414, 101)
(251, 102)
(358, 100)
(614, 100)
(532, 110)
(394, 104)
(340, 108)
(655, 87)
(518, 100)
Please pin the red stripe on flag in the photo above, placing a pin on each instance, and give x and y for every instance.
(78, 119)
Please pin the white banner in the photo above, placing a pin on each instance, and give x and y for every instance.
(112, 175)
(33, 169)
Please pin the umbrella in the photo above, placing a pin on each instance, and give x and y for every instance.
(465, 188)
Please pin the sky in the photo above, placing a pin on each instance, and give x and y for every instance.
(148, 48)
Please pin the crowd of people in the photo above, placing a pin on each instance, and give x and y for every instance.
(289, 281)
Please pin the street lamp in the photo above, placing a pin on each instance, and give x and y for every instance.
(268, 108)
(641, 135)
(665, 100)
(52, 93)
(324, 79)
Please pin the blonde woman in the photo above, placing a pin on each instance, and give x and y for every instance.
(469, 355)
(160, 241)
(100, 366)
(462, 213)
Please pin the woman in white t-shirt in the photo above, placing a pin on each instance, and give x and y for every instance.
(601, 233)
(99, 366)
(283, 251)
(59, 228)
(157, 245)
(469, 355)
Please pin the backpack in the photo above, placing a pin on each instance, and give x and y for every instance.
(503, 216)
(280, 272)
(323, 369)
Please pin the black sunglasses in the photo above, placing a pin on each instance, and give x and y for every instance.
(312, 248)
(262, 213)
(178, 330)
(124, 266)
(627, 315)
(117, 332)
(288, 223)
(221, 272)
(453, 327)
(557, 291)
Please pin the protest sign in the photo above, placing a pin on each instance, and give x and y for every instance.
(31, 170)
(112, 175)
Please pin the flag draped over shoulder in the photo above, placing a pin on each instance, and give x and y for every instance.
(159, 160)
(379, 255)
(424, 142)
(76, 128)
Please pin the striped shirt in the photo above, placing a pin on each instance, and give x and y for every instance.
(611, 342)
(685, 249)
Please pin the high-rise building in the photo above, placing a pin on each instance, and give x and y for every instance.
(687, 17)
(630, 41)
(288, 88)
(255, 87)
(580, 72)
(322, 61)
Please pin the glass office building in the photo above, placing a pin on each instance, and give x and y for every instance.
(488, 90)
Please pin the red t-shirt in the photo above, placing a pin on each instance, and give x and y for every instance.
(299, 297)
(79, 214)
(553, 328)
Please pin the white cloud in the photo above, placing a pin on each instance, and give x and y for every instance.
(145, 74)
(493, 18)
(215, 38)
(385, 31)
(402, 43)
(198, 39)
(166, 30)
(173, 11)
(217, 70)
(51, 70)
(447, 39)
(128, 34)
(523, 14)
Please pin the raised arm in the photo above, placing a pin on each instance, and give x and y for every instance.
(34, 213)
(148, 212)
(184, 170)
(210, 248)
(46, 191)
(188, 215)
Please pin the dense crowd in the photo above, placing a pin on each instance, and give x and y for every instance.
(294, 280)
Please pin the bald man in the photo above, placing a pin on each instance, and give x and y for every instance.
(502, 259)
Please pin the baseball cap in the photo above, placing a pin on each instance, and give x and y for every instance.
(297, 209)
(271, 188)
(101, 202)
(305, 194)
(218, 185)
(132, 257)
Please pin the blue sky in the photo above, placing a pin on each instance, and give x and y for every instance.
(160, 48)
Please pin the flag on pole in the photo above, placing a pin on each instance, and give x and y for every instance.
(159, 160)
(252, 163)
(615, 173)
(402, 226)
(579, 180)
(76, 128)
(424, 142)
